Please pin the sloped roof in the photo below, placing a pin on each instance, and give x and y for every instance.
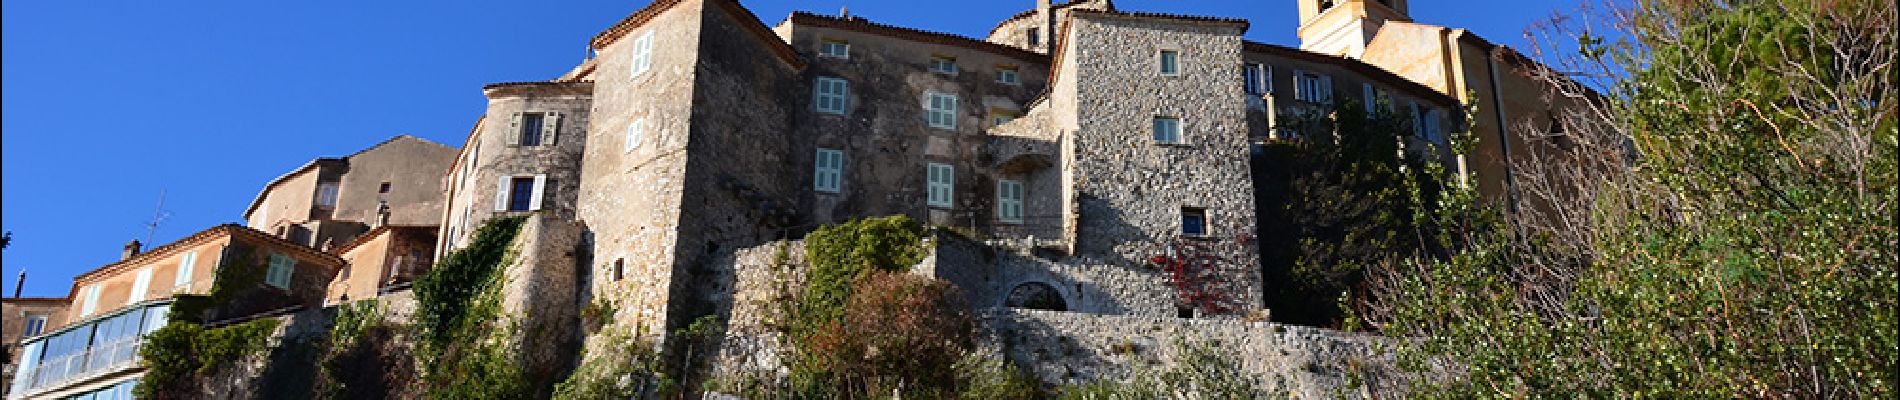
(261, 194)
(911, 34)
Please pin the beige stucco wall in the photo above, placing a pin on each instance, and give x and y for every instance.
(116, 284)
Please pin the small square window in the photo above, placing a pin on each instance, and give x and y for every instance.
(642, 55)
(942, 184)
(941, 110)
(1193, 221)
(384, 188)
(1007, 75)
(520, 193)
(999, 116)
(1170, 62)
(1035, 36)
(636, 132)
(326, 194)
(530, 129)
(831, 95)
(835, 49)
(944, 65)
(1167, 130)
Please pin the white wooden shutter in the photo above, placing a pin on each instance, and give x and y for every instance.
(501, 193)
(183, 276)
(550, 124)
(1371, 101)
(513, 136)
(140, 285)
(534, 198)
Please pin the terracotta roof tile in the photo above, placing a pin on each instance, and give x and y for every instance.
(912, 34)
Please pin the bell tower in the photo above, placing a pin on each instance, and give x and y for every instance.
(1344, 27)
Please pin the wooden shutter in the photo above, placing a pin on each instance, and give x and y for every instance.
(513, 137)
(501, 193)
(550, 124)
(534, 198)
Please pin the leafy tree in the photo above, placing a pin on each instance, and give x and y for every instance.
(1748, 249)
(1331, 204)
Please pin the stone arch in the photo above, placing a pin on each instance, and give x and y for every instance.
(1035, 295)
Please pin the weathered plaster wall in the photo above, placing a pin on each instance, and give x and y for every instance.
(540, 295)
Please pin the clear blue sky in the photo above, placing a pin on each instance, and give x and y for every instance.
(108, 102)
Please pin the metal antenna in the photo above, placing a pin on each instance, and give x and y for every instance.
(158, 215)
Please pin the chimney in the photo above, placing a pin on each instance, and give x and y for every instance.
(131, 249)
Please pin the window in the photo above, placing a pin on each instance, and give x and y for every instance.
(943, 65)
(326, 194)
(942, 110)
(1312, 87)
(642, 55)
(1170, 62)
(827, 171)
(92, 300)
(1258, 78)
(1433, 133)
(620, 269)
(635, 131)
(1193, 221)
(34, 324)
(1167, 130)
(942, 184)
(1325, 4)
(1009, 201)
(832, 93)
(1007, 75)
(1371, 99)
(384, 188)
(999, 116)
(140, 286)
(1035, 36)
(280, 268)
(529, 125)
(520, 193)
(834, 49)
(183, 276)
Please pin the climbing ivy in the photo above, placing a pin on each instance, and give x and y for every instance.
(840, 254)
(181, 354)
(463, 351)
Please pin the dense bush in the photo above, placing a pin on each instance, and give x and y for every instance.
(899, 332)
(179, 356)
(841, 254)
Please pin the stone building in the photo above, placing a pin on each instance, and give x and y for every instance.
(329, 201)
(94, 349)
(522, 156)
(1105, 139)
(22, 318)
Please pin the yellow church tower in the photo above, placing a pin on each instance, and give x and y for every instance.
(1345, 27)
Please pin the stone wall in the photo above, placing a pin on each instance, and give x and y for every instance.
(630, 195)
(1129, 190)
(987, 275)
(1287, 361)
(541, 294)
(884, 131)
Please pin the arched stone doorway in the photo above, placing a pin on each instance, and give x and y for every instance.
(1036, 296)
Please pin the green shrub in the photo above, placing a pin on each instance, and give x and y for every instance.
(899, 332)
(178, 356)
(443, 294)
(361, 357)
(464, 351)
(628, 368)
(1200, 371)
(841, 254)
